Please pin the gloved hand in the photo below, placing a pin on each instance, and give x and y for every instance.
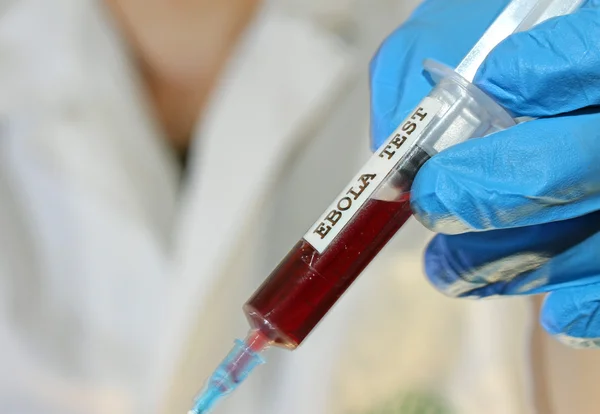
(518, 211)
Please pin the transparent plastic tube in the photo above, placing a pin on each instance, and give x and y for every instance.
(373, 207)
(364, 217)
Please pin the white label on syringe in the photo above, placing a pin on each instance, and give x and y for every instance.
(360, 189)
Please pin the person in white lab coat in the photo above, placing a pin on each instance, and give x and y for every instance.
(122, 274)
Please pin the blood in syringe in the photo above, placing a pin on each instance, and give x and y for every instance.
(306, 284)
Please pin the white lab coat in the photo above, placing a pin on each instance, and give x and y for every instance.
(121, 283)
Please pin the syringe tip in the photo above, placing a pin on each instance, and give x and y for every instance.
(234, 369)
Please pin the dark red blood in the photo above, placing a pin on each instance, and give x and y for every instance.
(306, 284)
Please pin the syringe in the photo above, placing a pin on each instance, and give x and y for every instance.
(373, 207)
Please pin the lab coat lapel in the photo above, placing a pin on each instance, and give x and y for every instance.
(279, 81)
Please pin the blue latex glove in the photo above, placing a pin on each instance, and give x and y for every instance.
(518, 211)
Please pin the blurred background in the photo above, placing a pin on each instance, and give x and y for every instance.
(158, 158)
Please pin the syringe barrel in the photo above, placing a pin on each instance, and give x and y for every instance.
(466, 112)
(369, 211)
